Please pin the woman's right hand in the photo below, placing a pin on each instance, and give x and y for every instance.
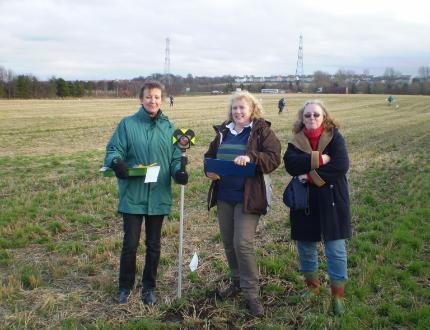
(326, 158)
(212, 176)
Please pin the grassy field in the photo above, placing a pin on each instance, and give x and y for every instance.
(60, 235)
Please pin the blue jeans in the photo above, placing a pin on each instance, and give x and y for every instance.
(127, 265)
(335, 252)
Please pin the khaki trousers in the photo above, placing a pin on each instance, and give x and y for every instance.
(237, 233)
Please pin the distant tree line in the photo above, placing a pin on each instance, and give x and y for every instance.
(27, 86)
(391, 82)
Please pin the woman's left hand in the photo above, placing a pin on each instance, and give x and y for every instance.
(242, 160)
(303, 178)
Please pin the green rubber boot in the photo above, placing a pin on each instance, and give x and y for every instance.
(338, 302)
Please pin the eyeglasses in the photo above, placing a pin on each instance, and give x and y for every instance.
(310, 114)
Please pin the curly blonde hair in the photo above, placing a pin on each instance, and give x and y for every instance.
(328, 122)
(251, 100)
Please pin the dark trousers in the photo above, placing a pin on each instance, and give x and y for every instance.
(127, 267)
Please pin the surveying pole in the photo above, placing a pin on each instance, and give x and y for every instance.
(183, 139)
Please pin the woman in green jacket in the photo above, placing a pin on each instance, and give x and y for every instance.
(144, 138)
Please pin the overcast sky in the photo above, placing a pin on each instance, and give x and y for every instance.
(121, 39)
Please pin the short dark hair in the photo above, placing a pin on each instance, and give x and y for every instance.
(150, 84)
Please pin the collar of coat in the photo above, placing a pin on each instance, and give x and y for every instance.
(301, 142)
(145, 115)
(256, 124)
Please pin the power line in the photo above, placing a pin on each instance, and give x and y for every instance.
(299, 66)
(167, 64)
(167, 58)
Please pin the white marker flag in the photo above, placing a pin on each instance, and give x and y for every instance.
(194, 262)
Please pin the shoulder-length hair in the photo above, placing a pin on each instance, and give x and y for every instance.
(328, 122)
(251, 100)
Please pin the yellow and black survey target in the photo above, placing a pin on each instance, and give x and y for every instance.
(184, 138)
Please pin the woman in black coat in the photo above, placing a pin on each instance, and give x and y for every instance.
(318, 156)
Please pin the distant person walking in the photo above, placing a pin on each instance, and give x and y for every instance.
(171, 100)
(390, 99)
(245, 137)
(318, 156)
(281, 105)
(144, 138)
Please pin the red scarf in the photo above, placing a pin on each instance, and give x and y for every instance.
(313, 136)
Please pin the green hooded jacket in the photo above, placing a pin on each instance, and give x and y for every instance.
(140, 139)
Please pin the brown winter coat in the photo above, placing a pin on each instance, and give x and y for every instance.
(264, 149)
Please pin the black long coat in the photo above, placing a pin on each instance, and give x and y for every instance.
(330, 216)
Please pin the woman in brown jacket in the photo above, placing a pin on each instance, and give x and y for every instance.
(244, 138)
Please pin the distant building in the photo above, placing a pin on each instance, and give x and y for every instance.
(270, 91)
(248, 79)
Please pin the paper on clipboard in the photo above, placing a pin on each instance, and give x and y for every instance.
(152, 174)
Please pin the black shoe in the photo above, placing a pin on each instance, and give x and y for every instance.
(229, 292)
(123, 296)
(255, 307)
(148, 297)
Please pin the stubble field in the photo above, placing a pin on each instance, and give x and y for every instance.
(60, 235)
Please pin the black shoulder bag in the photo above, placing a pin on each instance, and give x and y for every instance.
(296, 195)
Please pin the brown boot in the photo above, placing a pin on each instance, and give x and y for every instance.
(231, 291)
(255, 307)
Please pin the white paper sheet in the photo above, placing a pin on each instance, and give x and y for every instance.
(152, 174)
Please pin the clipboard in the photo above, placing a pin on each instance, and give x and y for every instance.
(138, 170)
(132, 171)
(228, 167)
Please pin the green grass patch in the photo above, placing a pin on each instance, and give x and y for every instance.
(31, 277)
(59, 218)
